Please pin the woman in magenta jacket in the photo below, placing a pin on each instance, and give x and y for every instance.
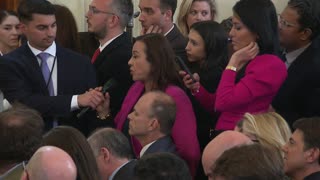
(254, 73)
(153, 67)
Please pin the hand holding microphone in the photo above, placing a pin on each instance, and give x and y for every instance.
(97, 98)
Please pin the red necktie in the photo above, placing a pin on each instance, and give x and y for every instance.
(95, 55)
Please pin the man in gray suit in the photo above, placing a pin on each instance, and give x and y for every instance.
(113, 154)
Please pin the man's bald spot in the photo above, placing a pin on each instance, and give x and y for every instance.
(224, 141)
(50, 162)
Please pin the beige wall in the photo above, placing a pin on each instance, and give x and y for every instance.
(79, 7)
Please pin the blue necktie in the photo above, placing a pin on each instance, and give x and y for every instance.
(46, 72)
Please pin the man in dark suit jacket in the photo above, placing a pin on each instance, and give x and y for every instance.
(113, 154)
(107, 20)
(157, 17)
(69, 75)
(299, 95)
(151, 122)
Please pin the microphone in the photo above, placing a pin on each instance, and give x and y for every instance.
(111, 83)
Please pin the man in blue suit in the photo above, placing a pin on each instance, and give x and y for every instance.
(41, 74)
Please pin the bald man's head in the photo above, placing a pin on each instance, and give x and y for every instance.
(221, 143)
(49, 163)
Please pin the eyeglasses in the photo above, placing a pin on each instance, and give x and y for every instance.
(284, 23)
(94, 10)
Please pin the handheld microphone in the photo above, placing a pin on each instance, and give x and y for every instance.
(111, 83)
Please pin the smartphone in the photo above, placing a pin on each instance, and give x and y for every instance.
(184, 67)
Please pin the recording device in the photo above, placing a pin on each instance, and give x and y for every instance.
(111, 83)
(130, 23)
(184, 67)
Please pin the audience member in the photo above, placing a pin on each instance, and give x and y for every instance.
(218, 145)
(67, 33)
(113, 154)
(9, 31)
(254, 73)
(153, 67)
(299, 26)
(157, 17)
(268, 129)
(207, 53)
(50, 163)
(249, 162)
(151, 122)
(302, 151)
(9, 40)
(161, 166)
(192, 11)
(107, 20)
(20, 136)
(75, 144)
(45, 76)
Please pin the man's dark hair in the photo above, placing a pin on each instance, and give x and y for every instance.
(164, 109)
(168, 4)
(21, 131)
(309, 14)
(159, 166)
(254, 162)
(124, 10)
(116, 142)
(310, 130)
(29, 7)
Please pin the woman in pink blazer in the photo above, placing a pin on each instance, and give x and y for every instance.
(153, 67)
(254, 73)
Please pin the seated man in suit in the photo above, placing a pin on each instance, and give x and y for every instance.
(157, 17)
(113, 154)
(107, 20)
(151, 122)
(45, 76)
(50, 163)
(302, 151)
(20, 136)
(299, 26)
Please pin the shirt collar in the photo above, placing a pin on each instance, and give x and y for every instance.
(145, 148)
(116, 170)
(101, 47)
(291, 56)
(169, 30)
(50, 50)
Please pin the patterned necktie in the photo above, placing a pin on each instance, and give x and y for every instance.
(95, 55)
(46, 72)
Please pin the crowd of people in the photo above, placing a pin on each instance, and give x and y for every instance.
(193, 100)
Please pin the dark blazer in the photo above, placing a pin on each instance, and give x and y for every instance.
(313, 176)
(164, 144)
(21, 80)
(112, 62)
(178, 42)
(126, 172)
(299, 96)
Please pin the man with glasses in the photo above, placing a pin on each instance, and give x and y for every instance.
(107, 20)
(299, 27)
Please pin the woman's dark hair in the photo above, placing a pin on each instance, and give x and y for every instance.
(4, 14)
(67, 31)
(162, 59)
(260, 17)
(75, 144)
(216, 44)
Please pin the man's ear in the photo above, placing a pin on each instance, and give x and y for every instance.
(105, 154)
(168, 15)
(305, 34)
(154, 124)
(313, 155)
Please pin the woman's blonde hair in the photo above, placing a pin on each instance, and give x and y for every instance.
(184, 11)
(269, 129)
